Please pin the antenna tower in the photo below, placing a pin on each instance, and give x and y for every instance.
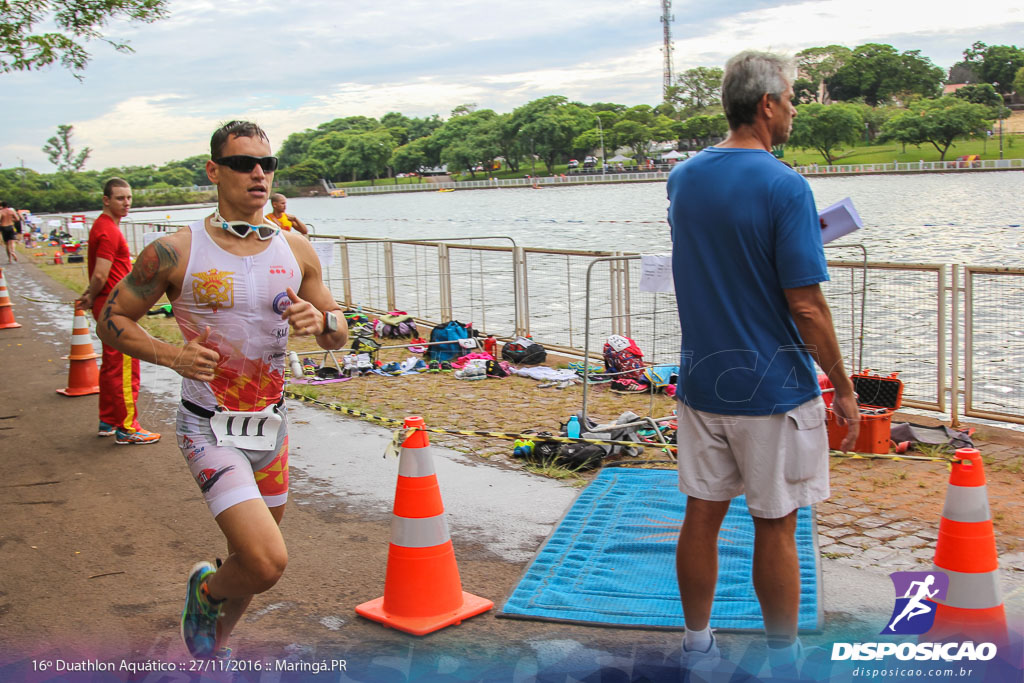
(666, 21)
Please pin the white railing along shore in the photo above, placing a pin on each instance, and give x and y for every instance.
(814, 170)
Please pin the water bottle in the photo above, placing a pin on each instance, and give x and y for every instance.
(573, 428)
(296, 366)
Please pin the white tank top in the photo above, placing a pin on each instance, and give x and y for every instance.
(241, 299)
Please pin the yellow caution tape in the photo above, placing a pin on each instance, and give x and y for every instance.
(889, 456)
(466, 432)
(511, 436)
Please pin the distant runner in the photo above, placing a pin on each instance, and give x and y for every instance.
(8, 218)
(238, 286)
(286, 221)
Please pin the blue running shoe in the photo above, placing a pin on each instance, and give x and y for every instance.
(199, 618)
(106, 429)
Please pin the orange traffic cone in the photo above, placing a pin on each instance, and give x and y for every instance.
(422, 589)
(6, 307)
(966, 551)
(83, 373)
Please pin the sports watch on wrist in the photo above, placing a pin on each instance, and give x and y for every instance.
(330, 323)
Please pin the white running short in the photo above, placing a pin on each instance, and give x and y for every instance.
(227, 475)
(779, 461)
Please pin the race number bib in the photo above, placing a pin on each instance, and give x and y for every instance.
(252, 431)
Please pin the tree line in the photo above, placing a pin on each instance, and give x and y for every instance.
(870, 93)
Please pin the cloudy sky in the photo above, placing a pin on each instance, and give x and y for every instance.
(294, 65)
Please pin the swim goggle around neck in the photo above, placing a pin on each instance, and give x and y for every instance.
(242, 229)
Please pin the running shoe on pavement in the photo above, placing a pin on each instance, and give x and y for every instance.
(137, 438)
(106, 429)
(199, 617)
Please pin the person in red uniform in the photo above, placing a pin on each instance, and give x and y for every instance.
(109, 261)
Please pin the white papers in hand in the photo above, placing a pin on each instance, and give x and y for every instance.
(840, 219)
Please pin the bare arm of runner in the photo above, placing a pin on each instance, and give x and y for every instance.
(313, 299)
(813, 320)
(96, 283)
(132, 298)
(297, 224)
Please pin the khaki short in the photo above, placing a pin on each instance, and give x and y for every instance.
(779, 461)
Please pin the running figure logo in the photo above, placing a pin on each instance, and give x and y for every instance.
(916, 593)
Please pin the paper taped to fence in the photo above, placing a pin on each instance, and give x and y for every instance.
(325, 250)
(150, 237)
(656, 273)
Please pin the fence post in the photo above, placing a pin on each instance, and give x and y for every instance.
(522, 295)
(968, 339)
(389, 275)
(942, 360)
(613, 294)
(627, 308)
(954, 387)
(444, 275)
(346, 274)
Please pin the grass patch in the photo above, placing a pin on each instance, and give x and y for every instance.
(887, 153)
(1016, 466)
(943, 451)
(304, 390)
(548, 468)
(835, 556)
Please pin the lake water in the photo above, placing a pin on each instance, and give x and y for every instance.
(968, 218)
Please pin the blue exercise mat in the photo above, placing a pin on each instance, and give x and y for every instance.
(611, 560)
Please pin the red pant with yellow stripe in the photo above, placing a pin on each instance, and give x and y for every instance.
(119, 383)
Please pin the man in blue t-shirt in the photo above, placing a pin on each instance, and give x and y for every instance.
(747, 259)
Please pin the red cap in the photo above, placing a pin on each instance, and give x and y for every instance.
(969, 471)
(417, 439)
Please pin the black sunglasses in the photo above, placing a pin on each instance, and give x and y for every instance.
(243, 163)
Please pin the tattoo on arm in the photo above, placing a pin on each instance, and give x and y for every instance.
(117, 330)
(110, 303)
(155, 259)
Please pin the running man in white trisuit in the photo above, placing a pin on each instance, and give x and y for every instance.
(916, 606)
(239, 285)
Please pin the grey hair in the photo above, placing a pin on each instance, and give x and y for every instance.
(748, 77)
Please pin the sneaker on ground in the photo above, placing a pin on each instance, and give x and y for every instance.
(797, 663)
(199, 617)
(106, 429)
(139, 437)
(701, 665)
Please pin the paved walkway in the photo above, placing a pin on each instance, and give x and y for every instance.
(115, 529)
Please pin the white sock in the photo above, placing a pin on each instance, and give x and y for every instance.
(698, 640)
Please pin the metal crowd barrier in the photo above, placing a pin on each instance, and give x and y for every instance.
(955, 338)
